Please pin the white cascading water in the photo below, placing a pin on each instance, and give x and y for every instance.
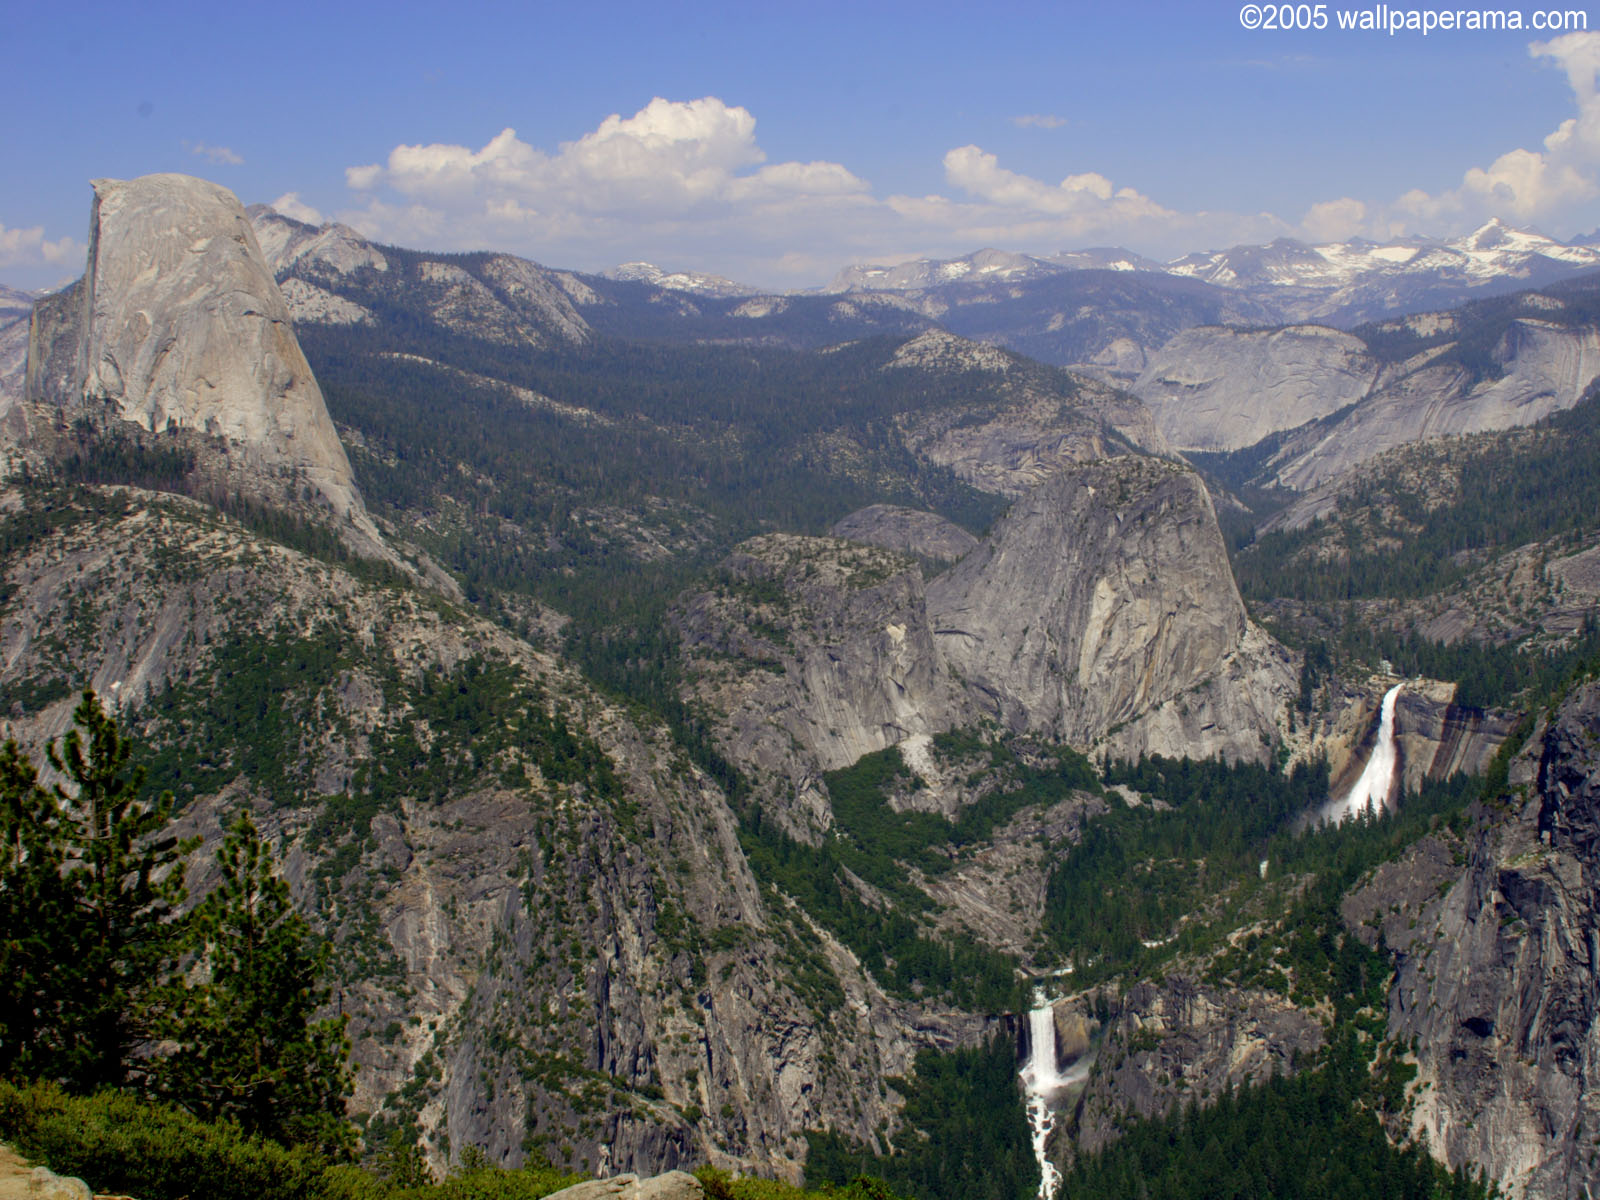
(1041, 1080)
(1371, 791)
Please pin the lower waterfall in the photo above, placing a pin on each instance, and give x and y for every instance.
(1042, 1080)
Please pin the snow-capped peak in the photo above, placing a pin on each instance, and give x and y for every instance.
(679, 281)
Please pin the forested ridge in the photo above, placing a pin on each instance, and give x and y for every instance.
(1391, 537)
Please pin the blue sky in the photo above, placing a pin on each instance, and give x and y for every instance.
(776, 145)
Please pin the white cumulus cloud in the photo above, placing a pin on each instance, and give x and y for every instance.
(220, 155)
(677, 177)
(686, 184)
(291, 206)
(1551, 184)
(1335, 220)
(30, 248)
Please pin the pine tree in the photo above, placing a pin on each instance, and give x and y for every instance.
(88, 891)
(34, 913)
(249, 1048)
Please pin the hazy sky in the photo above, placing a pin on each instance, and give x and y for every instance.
(774, 144)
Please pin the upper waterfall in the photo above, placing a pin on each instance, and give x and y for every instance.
(1374, 788)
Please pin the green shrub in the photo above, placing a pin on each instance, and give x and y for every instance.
(119, 1143)
(478, 1183)
(720, 1185)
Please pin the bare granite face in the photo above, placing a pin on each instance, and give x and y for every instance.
(1337, 405)
(178, 325)
(1543, 367)
(1105, 595)
(1213, 388)
(1497, 978)
(1166, 1043)
(907, 530)
(816, 651)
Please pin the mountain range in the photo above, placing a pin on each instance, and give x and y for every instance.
(703, 722)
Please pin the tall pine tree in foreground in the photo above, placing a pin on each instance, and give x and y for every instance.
(250, 1050)
(88, 891)
(34, 920)
(105, 983)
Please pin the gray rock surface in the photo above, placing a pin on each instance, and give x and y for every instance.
(13, 390)
(312, 305)
(1498, 959)
(1544, 368)
(1168, 1043)
(331, 250)
(179, 325)
(1439, 738)
(1104, 594)
(497, 297)
(524, 950)
(1023, 423)
(1223, 389)
(817, 651)
(907, 530)
(672, 1185)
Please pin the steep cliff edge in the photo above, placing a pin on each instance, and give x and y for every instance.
(1497, 985)
(177, 327)
(816, 651)
(1103, 603)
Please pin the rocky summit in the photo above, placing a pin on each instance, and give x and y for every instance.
(178, 326)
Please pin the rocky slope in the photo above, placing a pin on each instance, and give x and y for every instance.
(1304, 404)
(15, 306)
(177, 327)
(1160, 1045)
(1497, 989)
(908, 530)
(1539, 368)
(549, 939)
(815, 652)
(1100, 610)
(13, 388)
(1103, 604)
(557, 934)
(1224, 389)
(497, 297)
(1036, 422)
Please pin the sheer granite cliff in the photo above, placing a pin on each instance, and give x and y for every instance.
(1214, 388)
(1103, 607)
(1101, 611)
(1497, 987)
(177, 327)
(1536, 368)
(1330, 401)
(816, 651)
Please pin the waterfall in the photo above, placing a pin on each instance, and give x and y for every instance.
(1041, 1080)
(1371, 791)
